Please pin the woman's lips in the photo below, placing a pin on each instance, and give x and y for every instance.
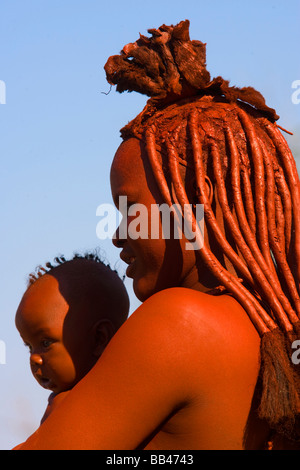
(131, 266)
(130, 260)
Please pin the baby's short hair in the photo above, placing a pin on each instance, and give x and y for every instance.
(60, 260)
(90, 279)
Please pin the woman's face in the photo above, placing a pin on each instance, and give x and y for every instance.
(154, 262)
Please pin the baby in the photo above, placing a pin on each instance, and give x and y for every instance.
(66, 318)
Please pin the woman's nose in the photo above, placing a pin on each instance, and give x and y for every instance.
(36, 359)
(118, 239)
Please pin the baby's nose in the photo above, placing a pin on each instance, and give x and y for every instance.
(36, 359)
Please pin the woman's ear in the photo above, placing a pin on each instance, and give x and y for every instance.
(103, 331)
(209, 189)
(194, 190)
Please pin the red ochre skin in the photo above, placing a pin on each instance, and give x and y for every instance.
(58, 359)
(66, 318)
(161, 397)
(184, 371)
(181, 373)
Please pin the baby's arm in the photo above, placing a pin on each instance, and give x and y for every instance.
(53, 401)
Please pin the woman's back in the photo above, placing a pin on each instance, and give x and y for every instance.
(189, 368)
(214, 349)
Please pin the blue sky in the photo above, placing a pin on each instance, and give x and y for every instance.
(59, 132)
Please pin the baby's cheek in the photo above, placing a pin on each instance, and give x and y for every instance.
(64, 372)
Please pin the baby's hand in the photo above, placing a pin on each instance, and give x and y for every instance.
(53, 401)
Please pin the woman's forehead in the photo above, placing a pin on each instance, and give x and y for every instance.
(128, 164)
(128, 153)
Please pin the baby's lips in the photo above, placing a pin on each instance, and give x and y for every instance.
(43, 381)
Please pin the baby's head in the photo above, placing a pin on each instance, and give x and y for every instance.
(67, 316)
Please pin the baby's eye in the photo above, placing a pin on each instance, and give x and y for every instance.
(46, 343)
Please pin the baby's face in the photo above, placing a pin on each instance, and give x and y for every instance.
(56, 363)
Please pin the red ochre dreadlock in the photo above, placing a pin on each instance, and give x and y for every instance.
(229, 135)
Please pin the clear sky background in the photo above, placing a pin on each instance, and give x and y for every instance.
(59, 132)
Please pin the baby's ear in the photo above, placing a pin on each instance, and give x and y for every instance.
(103, 331)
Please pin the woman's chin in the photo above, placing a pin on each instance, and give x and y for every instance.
(142, 288)
(145, 287)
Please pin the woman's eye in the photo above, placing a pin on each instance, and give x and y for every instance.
(124, 206)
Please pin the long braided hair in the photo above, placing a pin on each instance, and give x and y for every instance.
(231, 136)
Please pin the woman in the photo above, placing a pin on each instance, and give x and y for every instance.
(205, 362)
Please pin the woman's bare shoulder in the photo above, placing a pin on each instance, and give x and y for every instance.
(185, 306)
(200, 320)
